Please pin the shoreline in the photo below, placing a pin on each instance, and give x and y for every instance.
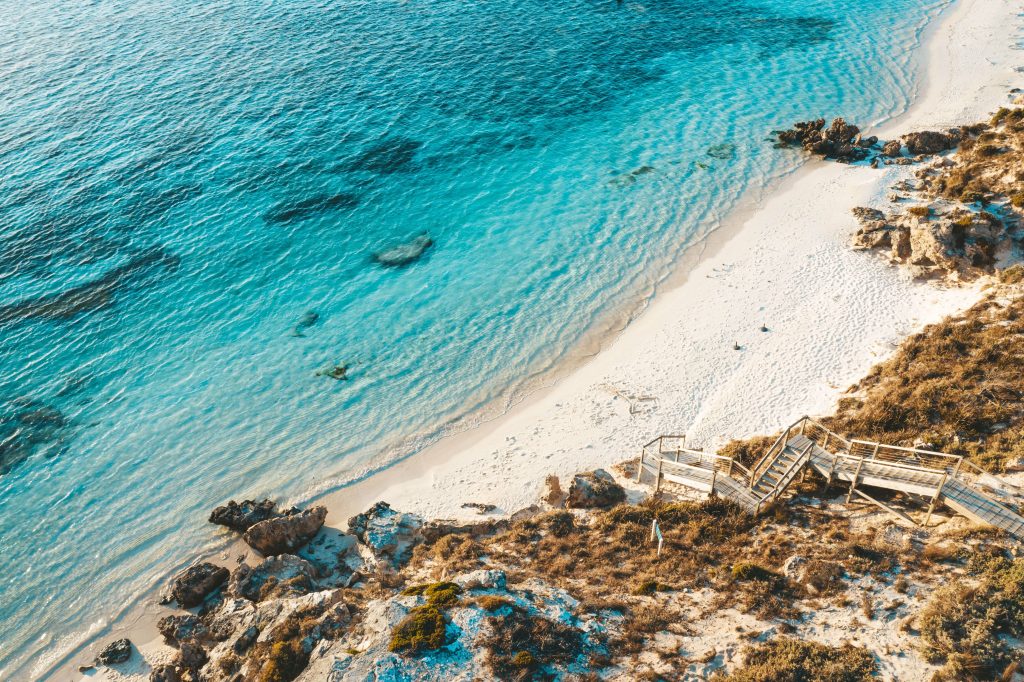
(463, 467)
(957, 85)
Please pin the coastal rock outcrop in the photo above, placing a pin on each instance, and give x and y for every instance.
(595, 489)
(116, 652)
(928, 142)
(284, 575)
(390, 535)
(285, 534)
(892, 148)
(840, 140)
(933, 243)
(240, 516)
(180, 628)
(192, 586)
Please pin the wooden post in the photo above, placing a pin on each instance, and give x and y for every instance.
(956, 470)
(853, 483)
(874, 453)
(730, 466)
(935, 498)
(640, 467)
(677, 456)
(714, 477)
(824, 444)
(803, 423)
(657, 484)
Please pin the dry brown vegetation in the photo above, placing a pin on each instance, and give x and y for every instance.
(791, 659)
(957, 387)
(989, 161)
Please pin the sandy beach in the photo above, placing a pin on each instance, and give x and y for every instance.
(697, 361)
(831, 313)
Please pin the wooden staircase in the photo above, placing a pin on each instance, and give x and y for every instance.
(939, 477)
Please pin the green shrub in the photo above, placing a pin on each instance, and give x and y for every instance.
(283, 663)
(424, 629)
(443, 594)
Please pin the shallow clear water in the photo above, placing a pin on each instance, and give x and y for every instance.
(181, 183)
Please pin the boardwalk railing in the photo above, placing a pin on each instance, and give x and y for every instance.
(807, 442)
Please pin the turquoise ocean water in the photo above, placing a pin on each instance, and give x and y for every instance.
(182, 182)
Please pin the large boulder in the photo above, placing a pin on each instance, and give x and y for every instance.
(242, 516)
(191, 586)
(928, 142)
(285, 534)
(116, 652)
(284, 575)
(180, 628)
(594, 489)
(389, 534)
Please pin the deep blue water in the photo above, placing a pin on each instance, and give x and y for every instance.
(181, 182)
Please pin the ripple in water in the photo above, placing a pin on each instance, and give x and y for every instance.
(201, 203)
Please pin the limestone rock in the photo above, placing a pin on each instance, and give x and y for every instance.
(191, 586)
(181, 628)
(839, 141)
(484, 579)
(390, 535)
(594, 489)
(285, 534)
(116, 652)
(242, 516)
(165, 672)
(283, 575)
(892, 148)
(928, 142)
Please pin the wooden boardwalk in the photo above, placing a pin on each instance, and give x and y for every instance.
(938, 477)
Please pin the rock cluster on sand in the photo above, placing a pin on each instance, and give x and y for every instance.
(389, 534)
(285, 534)
(116, 652)
(929, 142)
(240, 516)
(840, 141)
(192, 586)
(595, 489)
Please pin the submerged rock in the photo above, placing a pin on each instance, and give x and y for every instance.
(285, 534)
(308, 319)
(191, 586)
(594, 489)
(116, 652)
(292, 211)
(404, 254)
(337, 372)
(93, 295)
(26, 425)
(389, 534)
(244, 515)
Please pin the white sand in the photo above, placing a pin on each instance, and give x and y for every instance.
(832, 314)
